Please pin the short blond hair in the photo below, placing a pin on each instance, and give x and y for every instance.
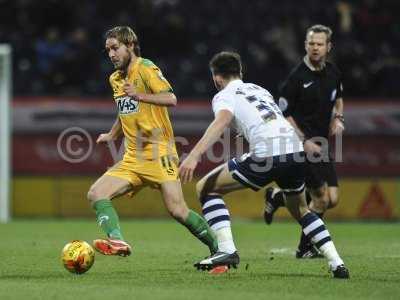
(125, 35)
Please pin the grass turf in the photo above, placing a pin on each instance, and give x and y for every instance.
(163, 254)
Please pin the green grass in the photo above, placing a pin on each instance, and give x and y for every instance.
(161, 264)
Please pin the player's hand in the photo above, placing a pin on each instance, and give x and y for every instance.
(104, 138)
(130, 90)
(310, 147)
(336, 127)
(187, 168)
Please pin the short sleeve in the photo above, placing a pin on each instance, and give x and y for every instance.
(287, 96)
(221, 102)
(339, 89)
(154, 79)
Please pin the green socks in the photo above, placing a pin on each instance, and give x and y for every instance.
(107, 218)
(200, 229)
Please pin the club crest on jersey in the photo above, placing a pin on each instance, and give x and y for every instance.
(127, 105)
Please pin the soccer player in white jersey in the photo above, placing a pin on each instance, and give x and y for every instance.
(276, 154)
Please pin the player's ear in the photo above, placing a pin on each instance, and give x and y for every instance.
(329, 46)
(218, 79)
(130, 46)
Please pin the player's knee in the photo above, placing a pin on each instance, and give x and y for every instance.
(93, 195)
(319, 205)
(319, 193)
(200, 188)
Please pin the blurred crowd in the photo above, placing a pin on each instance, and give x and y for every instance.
(58, 45)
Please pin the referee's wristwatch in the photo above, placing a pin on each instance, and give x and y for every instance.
(340, 117)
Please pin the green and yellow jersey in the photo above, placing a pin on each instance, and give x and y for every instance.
(146, 126)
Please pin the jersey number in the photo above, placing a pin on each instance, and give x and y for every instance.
(268, 110)
(167, 165)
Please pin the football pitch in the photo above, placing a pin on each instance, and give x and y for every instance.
(164, 252)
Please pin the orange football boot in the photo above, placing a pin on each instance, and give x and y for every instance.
(112, 247)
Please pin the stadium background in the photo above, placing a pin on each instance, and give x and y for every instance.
(60, 80)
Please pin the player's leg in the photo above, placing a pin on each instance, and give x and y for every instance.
(317, 200)
(210, 190)
(317, 196)
(333, 185)
(314, 229)
(333, 195)
(305, 248)
(100, 195)
(323, 185)
(274, 198)
(322, 194)
(178, 209)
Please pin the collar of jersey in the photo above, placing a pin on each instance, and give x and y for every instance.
(233, 83)
(131, 68)
(310, 66)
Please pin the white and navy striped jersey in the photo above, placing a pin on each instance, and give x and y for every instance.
(258, 118)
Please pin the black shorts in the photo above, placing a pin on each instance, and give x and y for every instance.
(255, 173)
(319, 173)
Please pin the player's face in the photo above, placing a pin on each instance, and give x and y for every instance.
(118, 53)
(317, 46)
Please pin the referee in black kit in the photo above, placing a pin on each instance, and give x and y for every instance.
(311, 100)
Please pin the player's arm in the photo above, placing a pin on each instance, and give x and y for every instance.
(162, 98)
(309, 145)
(337, 122)
(213, 132)
(114, 133)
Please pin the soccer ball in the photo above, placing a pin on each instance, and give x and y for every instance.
(77, 256)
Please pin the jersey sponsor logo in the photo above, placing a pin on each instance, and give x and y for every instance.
(306, 85)
(333, 95)
(127, 105)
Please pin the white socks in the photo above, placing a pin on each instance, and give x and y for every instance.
(225, 240)
(329, 251)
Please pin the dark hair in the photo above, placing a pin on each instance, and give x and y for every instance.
(318, 28)
(125, 35)
(227, 64)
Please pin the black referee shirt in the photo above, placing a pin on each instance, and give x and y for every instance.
(309, 96)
